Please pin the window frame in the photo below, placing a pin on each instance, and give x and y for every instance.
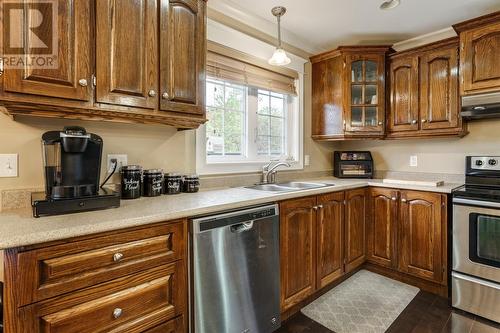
(236, 164)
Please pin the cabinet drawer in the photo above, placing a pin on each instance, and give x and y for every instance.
(133, 303)
(59, 269)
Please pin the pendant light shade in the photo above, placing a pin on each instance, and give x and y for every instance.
(279, 57)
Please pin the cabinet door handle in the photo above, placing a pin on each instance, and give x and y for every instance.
(1, 66)
(424, 120)
(117, 313)
(320, 206)
(83, 82)
(394, 198)
(151, 93)
(403, 200)
(380, 123)
(315, 207)
(165, 95)
(414, 122)
(117, 257)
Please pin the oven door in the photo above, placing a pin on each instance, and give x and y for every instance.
(476, 238)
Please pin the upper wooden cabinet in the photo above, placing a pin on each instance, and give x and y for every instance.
(182, 40)
(403, 76)
(479, 50)
(146, 64)
(424, 99)
(71, 76)
(348, 93)
(127, 53)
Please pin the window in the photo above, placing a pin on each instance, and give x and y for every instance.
(248, 125)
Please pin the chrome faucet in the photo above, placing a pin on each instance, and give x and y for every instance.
(269, 172)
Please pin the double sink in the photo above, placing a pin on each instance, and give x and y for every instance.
(288, 186)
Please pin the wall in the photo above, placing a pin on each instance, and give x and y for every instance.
(149, 146)
(434, 155)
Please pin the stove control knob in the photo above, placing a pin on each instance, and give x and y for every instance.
(479, 162)
(492, 162)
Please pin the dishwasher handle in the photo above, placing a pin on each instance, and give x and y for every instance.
(242, 227)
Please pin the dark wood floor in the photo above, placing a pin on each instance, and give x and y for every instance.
(426, 313)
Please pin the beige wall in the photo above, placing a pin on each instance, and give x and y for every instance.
(434, 155)
(149, 146)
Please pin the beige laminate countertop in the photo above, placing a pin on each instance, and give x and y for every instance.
(19, 228)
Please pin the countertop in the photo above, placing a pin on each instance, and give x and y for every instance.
(19, 228)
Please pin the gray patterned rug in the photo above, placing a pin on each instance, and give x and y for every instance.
(364, 303)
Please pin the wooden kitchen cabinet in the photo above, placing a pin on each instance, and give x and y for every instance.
(127, 53)
(421, 230)
(71, 76)
(330, 242)
(182, 56)
(348, 93)
(355, 229)
(132, 280)
(382, 227)
(479, 49)
(123, 305)
(424, 99)
(403, 100)
(297, 248)
(120, 61)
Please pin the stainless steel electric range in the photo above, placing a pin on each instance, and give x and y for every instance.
(476, 239)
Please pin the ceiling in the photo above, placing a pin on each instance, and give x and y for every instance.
(319, 25)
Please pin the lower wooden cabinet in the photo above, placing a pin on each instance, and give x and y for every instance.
(125, 281)
(325, 237)
(313, 241)
(421, 229)
(381, 226)
(355, 229)
(330, 238)
(297, 239)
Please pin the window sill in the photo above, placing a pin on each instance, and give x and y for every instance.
(218, 168)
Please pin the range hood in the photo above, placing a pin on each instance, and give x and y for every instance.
(481, 106)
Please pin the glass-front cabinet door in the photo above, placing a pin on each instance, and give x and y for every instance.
(365, 103)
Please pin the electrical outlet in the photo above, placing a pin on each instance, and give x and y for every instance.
(8, 165)
(121, 159)
(307, 160)
(413, 161)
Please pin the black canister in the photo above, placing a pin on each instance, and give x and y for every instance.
(131, 181)
(173, 182)
(152, 183)
(191, 184)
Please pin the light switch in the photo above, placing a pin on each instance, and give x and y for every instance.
(413, 161)
(8, 165)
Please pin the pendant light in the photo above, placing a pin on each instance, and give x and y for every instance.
(279, 57)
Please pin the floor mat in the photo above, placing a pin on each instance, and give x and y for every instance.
(364, 303)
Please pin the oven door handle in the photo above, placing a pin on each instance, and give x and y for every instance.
(475, 280)
(469, 202)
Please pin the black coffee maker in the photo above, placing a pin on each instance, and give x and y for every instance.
(72, 167)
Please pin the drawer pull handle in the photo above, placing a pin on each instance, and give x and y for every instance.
(117, 313)
(117, 256)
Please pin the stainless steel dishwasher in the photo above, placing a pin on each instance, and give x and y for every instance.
(236, 272)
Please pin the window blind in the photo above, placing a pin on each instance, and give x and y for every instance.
(229, 68)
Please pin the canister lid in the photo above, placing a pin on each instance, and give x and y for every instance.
(153, 171)
(131, 168)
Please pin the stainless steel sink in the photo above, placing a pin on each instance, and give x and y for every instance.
(287, 187)
(303, 185)
(271, 188)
